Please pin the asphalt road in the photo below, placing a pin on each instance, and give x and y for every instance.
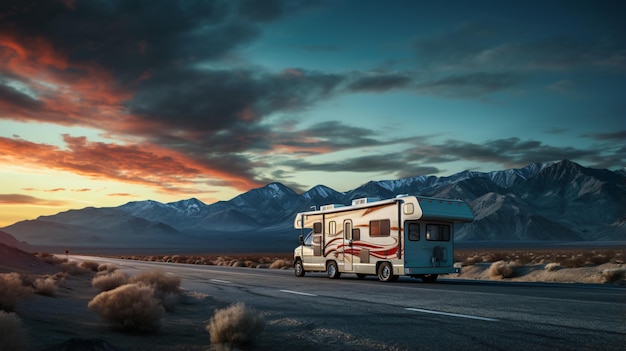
(411, 315)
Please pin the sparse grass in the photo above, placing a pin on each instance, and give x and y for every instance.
(107, 267)
(46, 286)
(566, 258)
(552, 267)
(283, 261)
(236, 324)
(282, 264)
(161, 282)
(166, 287)
(90, 265)
(12, 335)
(109, 281)
(613, 275)
(73, 268)
(130, 307)
(50, 258)
(12, 290)
(502, 269)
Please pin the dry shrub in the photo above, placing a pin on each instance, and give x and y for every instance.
(613, 275)
(12, 290)
(166, 287)
(50, 258)
(160, 281)
(12, 335)
(72, 268)
(236, 324)
(551, 267)
(107, 267)
(502, 269)
(281, 264)
(90, 265)
(131, 307)
(110, 281)
(45, 286)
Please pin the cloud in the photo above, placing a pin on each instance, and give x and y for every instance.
(619, 136)
(379, 83)
(510, 152)
(121, 195)
(482, 46)
(147, 164)
(19, 199)
(55, 190)
(468, 85)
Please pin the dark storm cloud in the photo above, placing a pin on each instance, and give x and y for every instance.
(129, 38)
(479, 46)
(379, 83)
(12, 100)
(207, 101)
(616, 136)
(510, 152)
(396, 163)
(468, 85)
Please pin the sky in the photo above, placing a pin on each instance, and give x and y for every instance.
(106, 102)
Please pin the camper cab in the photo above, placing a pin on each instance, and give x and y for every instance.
(406, 235)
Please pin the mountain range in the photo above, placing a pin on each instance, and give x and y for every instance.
(560, 201)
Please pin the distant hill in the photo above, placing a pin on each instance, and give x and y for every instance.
(10, 241)
(560, 201)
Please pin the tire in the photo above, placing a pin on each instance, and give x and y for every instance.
(361, 276)
(430, 278)
(298, 269)
(332, 270)
(385, 272)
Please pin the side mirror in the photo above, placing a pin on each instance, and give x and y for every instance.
(300, 240)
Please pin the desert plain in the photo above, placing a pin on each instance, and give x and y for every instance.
(53, 308)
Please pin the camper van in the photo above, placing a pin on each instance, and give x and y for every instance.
(406, 235)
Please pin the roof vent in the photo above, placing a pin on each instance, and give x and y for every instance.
(330, 207)
(364, 200)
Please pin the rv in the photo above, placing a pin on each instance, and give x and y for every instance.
(406, 235)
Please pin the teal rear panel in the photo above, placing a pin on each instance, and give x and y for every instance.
(446, 210)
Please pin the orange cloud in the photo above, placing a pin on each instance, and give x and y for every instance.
(66, 93)
(19, 199)
(54, 190)
(144, 164)
(121, 195)
(81, 190)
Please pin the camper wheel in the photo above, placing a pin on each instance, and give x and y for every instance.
(332, 271)
(385, 273)
(298, 269)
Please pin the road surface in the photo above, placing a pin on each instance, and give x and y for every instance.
(411, 315)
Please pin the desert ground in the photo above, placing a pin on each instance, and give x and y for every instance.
(52, 304)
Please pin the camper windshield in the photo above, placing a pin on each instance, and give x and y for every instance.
(309, 239)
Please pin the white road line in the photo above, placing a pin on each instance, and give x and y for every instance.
(297, 293)
(221, 281)
(452, 314)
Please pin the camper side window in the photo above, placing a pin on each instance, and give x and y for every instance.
(380, 228)
(437, 232)
(413, 230)
(317, 227)
(356, 234)
(332, 227)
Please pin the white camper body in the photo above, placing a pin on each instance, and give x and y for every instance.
(407, 235)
